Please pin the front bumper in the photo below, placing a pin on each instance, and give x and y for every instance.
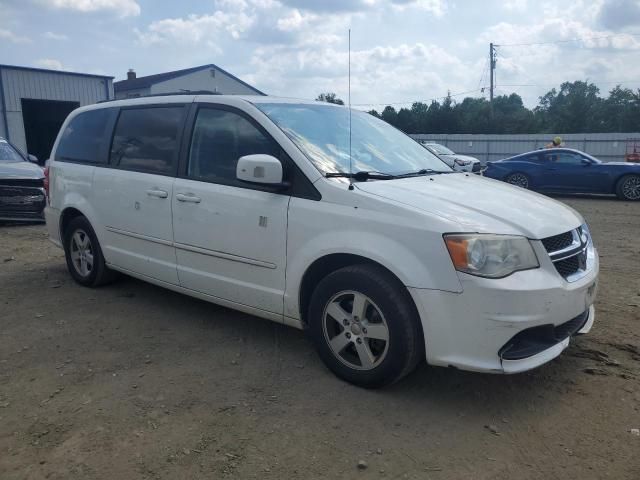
(473, 329)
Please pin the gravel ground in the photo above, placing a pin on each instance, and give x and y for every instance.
(133, 381)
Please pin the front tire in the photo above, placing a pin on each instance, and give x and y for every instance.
(365, 326)
(84, 256)
(518, 179)
(628, 188)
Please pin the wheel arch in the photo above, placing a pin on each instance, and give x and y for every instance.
(66, 216)
(323, 266)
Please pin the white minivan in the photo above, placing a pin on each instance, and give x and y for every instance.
(248, 202)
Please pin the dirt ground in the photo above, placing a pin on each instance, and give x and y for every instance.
(133, 381)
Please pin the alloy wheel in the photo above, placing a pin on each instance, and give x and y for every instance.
(519, 180)
(355, 329)
(631, 188)
(81, 252)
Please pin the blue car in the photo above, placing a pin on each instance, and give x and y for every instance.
(564, 170)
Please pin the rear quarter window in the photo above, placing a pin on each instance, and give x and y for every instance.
(84, 138)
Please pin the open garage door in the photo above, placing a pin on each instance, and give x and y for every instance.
(42, 121)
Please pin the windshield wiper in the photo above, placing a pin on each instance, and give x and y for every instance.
(424, 171)
(362, 175)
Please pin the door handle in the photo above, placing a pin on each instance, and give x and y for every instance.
(188, 197)
(157, 193)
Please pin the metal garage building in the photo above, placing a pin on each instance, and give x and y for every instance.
(34, 102)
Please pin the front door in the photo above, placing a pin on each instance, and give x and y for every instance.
(567, 171)
(133, 196)
(230, 237)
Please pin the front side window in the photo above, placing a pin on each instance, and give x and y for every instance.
(219, 139)
(321, 132)
(565, 158)
(84, 136)
(146, 139)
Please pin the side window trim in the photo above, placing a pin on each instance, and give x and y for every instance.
(290, 169)
(179, 138)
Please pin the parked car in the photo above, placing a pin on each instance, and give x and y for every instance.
(381, 252)
(460, 163)
(22, 195)
(564, 170)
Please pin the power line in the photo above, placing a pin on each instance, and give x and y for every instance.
(555, 84)
(577, 39)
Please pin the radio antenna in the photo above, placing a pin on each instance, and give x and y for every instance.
(349, 101)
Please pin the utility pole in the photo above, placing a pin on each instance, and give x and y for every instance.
(492, 68)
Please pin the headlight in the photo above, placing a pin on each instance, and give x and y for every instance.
(492, 256)
(462, 162)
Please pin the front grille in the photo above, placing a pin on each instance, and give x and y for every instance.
(21, 199)
(568, 252)
(568, 266)
(537, 339)
(22, 182)
(558, 242)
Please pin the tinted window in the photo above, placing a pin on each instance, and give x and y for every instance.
(221, 137)
(564, 158)
(84, 137)
(146, 139)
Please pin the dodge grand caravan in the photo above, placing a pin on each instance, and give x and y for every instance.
(369, 242)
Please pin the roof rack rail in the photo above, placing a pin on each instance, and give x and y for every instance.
(168, 94)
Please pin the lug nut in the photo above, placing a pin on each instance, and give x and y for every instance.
(364, 330)
(345, 322)
(348, 335)
(359, 340)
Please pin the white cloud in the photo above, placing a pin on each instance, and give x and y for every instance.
(55, 36)
(122, 8)
(12, 37)
(436, 7)
(50, 63)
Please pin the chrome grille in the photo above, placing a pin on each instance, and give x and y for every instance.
(568, 252)
(558, 242)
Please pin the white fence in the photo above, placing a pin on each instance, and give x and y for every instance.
(608, 147)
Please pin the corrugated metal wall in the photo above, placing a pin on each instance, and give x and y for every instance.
(42, 85)
(608, 147)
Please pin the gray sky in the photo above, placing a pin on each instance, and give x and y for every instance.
(402, 50)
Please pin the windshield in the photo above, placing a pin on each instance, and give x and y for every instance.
(8, 153)
(322, 134)
(440, 149)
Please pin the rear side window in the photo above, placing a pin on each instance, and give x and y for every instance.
(221, 137)
(84, 137)
(146, 139)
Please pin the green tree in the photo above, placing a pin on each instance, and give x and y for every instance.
(330, 97)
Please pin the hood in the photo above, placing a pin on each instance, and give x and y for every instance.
(463, 157)
(21, 170)
(480, 204)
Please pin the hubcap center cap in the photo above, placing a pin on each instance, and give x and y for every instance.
(356, 329)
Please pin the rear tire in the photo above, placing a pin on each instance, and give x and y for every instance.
(628, 188)
(84, 256)
(518, 179)
(365, 326)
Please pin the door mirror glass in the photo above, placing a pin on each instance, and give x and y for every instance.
(32, 158)
(259, 168)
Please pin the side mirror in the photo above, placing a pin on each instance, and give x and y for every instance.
(260, 169)
(33, 158)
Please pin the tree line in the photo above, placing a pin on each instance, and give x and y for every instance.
(576, 107)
